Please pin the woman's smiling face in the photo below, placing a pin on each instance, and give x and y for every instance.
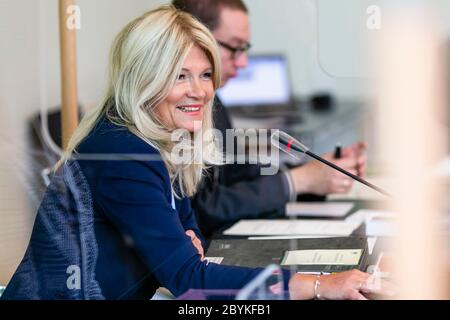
(184, 107)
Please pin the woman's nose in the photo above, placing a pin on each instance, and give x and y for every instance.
(197, 90)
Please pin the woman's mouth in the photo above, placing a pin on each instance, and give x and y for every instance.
(189, 109)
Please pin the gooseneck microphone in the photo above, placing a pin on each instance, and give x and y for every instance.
(295, 148)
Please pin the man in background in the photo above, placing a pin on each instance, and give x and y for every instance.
(238, 191)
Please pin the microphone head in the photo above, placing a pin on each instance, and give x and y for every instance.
(288, 144)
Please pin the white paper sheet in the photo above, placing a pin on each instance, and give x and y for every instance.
(378, 223)
(346, 257)
(319, 210)
(292, 227)
(217, 260)
(284, 237)
(371, 243)
(365, 215)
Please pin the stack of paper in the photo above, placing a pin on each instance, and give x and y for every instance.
(319, 209)
(292, 227)
(378, 223)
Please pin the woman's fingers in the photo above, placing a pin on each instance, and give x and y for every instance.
(356, 295)
(197, 243)
(377, 286)
(191, 234)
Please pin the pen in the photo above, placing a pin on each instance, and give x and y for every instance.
(373, 282)
(376, 271)
(338, 151)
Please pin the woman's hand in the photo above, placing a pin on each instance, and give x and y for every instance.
(197, 243)
(349, 285)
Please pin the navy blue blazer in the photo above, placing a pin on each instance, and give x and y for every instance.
(141, 239)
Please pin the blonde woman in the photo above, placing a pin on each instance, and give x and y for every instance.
(164, 69)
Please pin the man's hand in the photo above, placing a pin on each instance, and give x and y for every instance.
(315, 177)
(358, 152)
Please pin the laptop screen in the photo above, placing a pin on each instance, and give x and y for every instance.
(264, 82)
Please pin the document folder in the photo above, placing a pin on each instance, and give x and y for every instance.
(260, 253)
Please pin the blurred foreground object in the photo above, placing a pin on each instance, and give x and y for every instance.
(410, 136)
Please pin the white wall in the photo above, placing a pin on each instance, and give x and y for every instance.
(101, 20)
(291, 27)
(19, 94)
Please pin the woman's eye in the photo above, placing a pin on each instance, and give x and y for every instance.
(182, 77)
(207, 75)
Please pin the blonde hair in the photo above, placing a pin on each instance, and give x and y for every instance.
(145, 61)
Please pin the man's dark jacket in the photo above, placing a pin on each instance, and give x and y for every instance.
(237, 191)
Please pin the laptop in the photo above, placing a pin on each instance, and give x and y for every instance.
(262, 89)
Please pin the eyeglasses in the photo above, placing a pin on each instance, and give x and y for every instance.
(235, 51)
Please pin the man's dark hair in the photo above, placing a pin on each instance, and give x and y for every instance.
(208, 11)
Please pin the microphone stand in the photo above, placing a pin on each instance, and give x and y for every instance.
(292, 144)
(328, 163)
